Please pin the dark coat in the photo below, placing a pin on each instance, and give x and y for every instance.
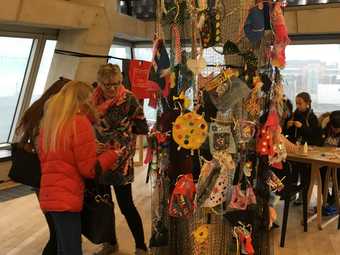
(310, 131)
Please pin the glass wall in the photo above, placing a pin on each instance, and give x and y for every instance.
(314, 69)
(44, 68)
(119, 51)
(14, 57)
(143, 54)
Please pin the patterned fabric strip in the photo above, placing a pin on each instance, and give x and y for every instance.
(177, 38)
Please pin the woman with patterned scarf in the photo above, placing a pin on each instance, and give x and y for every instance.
(121, 120)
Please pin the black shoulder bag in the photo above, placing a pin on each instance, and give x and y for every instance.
(25, 165)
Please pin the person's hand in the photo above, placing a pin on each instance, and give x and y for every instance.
(126, 123)
(126, 169)
(120, 151)
(298, 124)
(290, 123)
(100, 147)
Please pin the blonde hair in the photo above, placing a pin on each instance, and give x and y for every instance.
(107, 72)
(60, 109)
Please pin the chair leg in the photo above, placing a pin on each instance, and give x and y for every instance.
(336, 192)
(284, 222)
(326, 185)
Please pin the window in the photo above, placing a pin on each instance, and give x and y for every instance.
(119, 51)
(314, 69)
(149, 112)
(44, 68)
(212, 57)
(143, 54)
(146, 55)
(14, 56)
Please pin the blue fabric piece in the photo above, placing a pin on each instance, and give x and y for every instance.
(161, 61)
(254, 25)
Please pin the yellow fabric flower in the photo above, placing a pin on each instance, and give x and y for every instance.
(201, 234)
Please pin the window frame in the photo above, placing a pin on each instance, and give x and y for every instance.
(39, 37)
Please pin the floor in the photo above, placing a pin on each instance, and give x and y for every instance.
(24, 231)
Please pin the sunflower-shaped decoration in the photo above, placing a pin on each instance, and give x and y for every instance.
(201, 234)
(190, 131)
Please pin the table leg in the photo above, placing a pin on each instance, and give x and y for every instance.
(315, 169)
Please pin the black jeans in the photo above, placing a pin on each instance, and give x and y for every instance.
(51, 247)
(68, 230)
(129, 210)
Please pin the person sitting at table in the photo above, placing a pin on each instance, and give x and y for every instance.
(330, 123)
(303, 127)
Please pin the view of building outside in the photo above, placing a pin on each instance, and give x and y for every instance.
(14, 56)
(314, 69)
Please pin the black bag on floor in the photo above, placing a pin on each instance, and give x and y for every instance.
(97, 217)
(25, 165)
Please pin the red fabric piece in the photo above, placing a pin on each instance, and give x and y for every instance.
(149, 155)
(63, 171)
(279, 25)
(182, 198)
(139, 72)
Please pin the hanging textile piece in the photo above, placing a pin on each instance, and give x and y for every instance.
(254, 25)
(269, 142)
(223, 77)
(281, 37)
(253, 103)
(222, 190)
(201, 235)
(182, 198)
(279, 25)
(210, 31)
(221, 138)
(139, 79)
(247, 130)
(160, 70)
(197, 65)
(207, 180)
(190, 131)
(243, 234)
(233, 97)
(176, 37)
(240, 199)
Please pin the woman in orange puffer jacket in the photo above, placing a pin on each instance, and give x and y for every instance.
(67, 151)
